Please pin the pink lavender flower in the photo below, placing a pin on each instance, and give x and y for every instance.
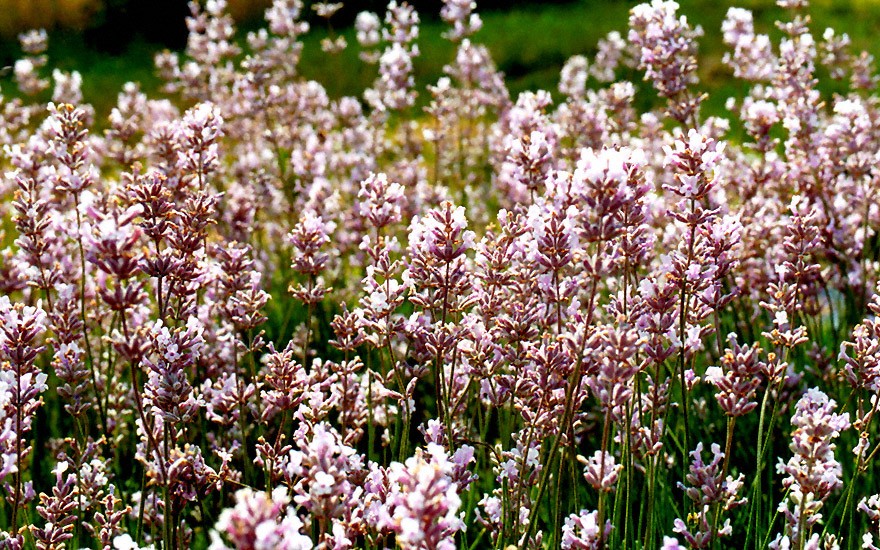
(460, 14)
(189, 478)
(670, 543)
(198, 135)
(382, 201)
(168, 390)
(261, 520)
(395, 78)
(870, 506)
(35, 241)
(27, 70)
(69, 146)
(286, 381)
(613, 368)
(813, 472)
(322, 471)
(367, 24)
(422, 503)
(530, 161)
(668, 47)
(110, 519)
(21, 384)
(713, 494)
(57, 510)
(582, 531)
(553, 244)
(394, 88)
(573, 77)
(308, 238)
(601, 471)
(541, 388)
(438, 242)
(610, 54)
(695, 160)
(752, 57)
(737, 379)
(861, 356)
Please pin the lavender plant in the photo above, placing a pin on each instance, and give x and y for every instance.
(258, 316)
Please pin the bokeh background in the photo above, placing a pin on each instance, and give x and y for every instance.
(111, 42)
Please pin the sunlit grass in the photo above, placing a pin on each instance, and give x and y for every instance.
(529, 44)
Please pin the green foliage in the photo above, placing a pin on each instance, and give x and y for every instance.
(529, 44)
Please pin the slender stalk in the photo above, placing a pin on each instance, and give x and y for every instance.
(755, 509)
(728, 445)
(568, 415)
(252, 366)
(649, 519)
(684, 302)
(305, 350)
(628, 462)
(520, 487)
(345, 408)
(606, 435)
(763, 444)
(557, 509)
(143, 504)
(477, 541)
(802, 523)
(167, 513)
(847, 507)
(772, 521)
(242, 414)
(82, 300)
(370, 427)
(439, 365)
(16, 499)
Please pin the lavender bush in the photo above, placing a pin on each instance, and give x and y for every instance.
(256, 316)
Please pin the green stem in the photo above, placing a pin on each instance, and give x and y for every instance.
(82, 300)
(606, 434)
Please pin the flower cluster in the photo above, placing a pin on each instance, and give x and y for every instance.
(254, 314)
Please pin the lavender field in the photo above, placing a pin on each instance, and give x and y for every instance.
(248, 314)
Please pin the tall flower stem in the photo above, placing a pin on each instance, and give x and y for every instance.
(606, 436)
(446, 415)
(682, 336)
(728, 446)
(82, 300)
(167, 514)
(568, 415)
(763, 444)
(16, 499)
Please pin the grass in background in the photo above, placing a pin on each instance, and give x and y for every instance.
(528, 44)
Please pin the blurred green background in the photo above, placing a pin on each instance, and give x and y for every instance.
(113, 41)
